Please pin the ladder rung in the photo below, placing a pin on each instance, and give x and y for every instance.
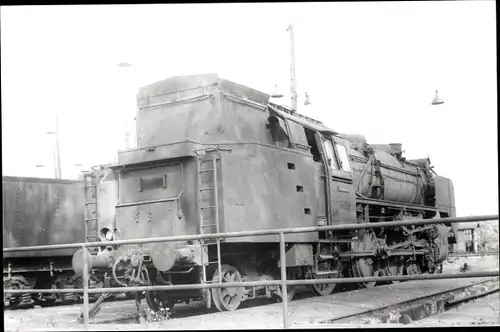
(325, 256)
(208, 160)
(207, 207)
(91, 219)
(211, 225)
(90, 203)
(90, 186)
(206, 170)
(93, 236)
(203, 189)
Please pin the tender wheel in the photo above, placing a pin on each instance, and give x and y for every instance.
(158, 300)
(324, 267)
(365, 266)
(227, 299)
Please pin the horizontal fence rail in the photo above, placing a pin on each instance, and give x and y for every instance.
(474, 254)
(299, 282)
(283, 282)
(258, 233)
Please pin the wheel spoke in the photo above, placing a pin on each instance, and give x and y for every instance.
(226, 299)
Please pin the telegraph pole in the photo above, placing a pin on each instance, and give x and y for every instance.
(59, 175)
(56, 151)
(124, 66)
(293, 81)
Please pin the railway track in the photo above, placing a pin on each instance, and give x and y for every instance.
(423, 307)
(346, 305)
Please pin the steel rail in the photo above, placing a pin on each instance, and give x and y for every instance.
(483, 274)
(470, 297)
(259, 233)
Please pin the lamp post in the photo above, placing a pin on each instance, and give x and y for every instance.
(125, 66)
(57, 153)
(293, 81)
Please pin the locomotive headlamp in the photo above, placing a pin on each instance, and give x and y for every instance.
(106, 234)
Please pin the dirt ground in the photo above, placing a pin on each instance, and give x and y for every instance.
(476, 263)
(306, 313)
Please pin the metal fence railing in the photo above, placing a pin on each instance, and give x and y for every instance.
(282, 282)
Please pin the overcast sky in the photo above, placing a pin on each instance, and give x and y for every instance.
(369, 68)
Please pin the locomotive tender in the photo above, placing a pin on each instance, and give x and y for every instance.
(215, 156)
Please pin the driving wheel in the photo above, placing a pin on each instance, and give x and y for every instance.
(363, 267)
(327, 270)
(158, 300)
(393, 267)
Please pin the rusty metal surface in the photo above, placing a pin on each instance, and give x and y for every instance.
(256, 186)
(154, 216)
(402, 181)
(185, 116)
(445, 195)
(42, 212)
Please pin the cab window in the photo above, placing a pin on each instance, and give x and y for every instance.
(330, 155)
(344, 158)
(278, 131)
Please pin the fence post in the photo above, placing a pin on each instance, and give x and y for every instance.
(85, 289)
(284, 291)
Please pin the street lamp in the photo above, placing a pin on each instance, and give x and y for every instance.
(276, 93)
(307, 101)
(437, 100)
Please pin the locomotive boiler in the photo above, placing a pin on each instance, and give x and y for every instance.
(40, 212)
(216, 156)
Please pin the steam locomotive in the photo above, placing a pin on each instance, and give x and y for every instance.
(216, 156)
